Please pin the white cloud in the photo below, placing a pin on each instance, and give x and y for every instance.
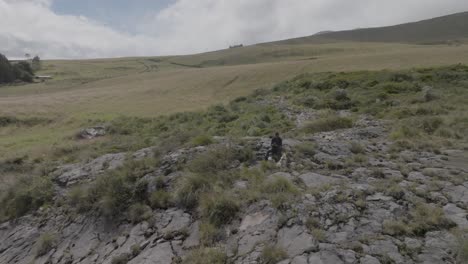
(189, 26)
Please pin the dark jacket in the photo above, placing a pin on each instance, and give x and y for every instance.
(276, 142)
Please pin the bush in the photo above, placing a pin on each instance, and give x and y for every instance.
(45, 244)
(395, 228)
(113, 192)
(308, 149)
(121, 259)
(462, 252)
(431, 124)
(189, 190)
(28, 194)
(202, 140)
(272, 255)
(426, 218)
(279, 185)
(139, 212)
(160, 200)
(219, 209)
(330, 123)
(206, 255)
(210, 234)
(357, 148)
(213, 161)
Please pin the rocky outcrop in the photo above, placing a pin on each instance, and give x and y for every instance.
(342, 213)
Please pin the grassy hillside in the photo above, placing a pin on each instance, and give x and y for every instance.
(84, 93)
(437, 30)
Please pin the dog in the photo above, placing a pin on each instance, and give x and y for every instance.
(284, 161)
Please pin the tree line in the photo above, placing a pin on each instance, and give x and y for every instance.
(20, 71)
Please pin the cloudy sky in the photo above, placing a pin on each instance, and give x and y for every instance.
(115, 28)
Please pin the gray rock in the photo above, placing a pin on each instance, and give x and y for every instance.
(457, 194)
(325, 257)
(457, 215)
(369, 260)
(92, 132)
(386, 248)
(438, 248)
(379, 197)
(194, 236)
(70, 174)
(300, 260)
(317, 180)
(417, 176)
(160, 254)
(393, 174)
(296, 241)
(412, 244)
(253, 220)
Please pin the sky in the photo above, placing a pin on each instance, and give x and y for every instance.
(119, 28)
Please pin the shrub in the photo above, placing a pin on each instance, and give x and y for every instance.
(308, 149)
(357, 148)
(395, 228)
(206, 255)
(318, 234)
(160, 199)
(272, 255)
(462, 252)
(427, 218)
(121, 259)
(45, 243)
(330, 123)
(27, 194)
(395, 191)
(431, 124)
(210, 234)
(214, 160)
(139, 212)
(189, 190)
(279, 185)
(113, 193)
(202, 140)
(219, 209)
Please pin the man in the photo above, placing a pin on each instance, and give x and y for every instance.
(276, 147)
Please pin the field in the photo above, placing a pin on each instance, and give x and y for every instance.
(84, 93)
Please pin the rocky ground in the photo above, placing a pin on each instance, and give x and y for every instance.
(356, 205)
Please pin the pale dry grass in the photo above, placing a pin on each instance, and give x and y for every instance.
(103, 89)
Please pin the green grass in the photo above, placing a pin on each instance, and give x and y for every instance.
(326, 124)
(206, 255)
(272, 255)
(45, 243)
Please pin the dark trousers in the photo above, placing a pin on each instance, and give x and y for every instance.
(275, 153)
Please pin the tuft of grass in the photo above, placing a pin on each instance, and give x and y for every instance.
(395, 228)
(357, 148)
(326, 124)
(201, 140)
(189, 189)
(219, 208)
(279, 185)
(206, 255)
(138, 213)
(160, 199)
(45, 243)
(307, 149)
(121, 259)
(210, 234)
(272, 255)
(27, 194)
(462, 251)
(426, 218)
